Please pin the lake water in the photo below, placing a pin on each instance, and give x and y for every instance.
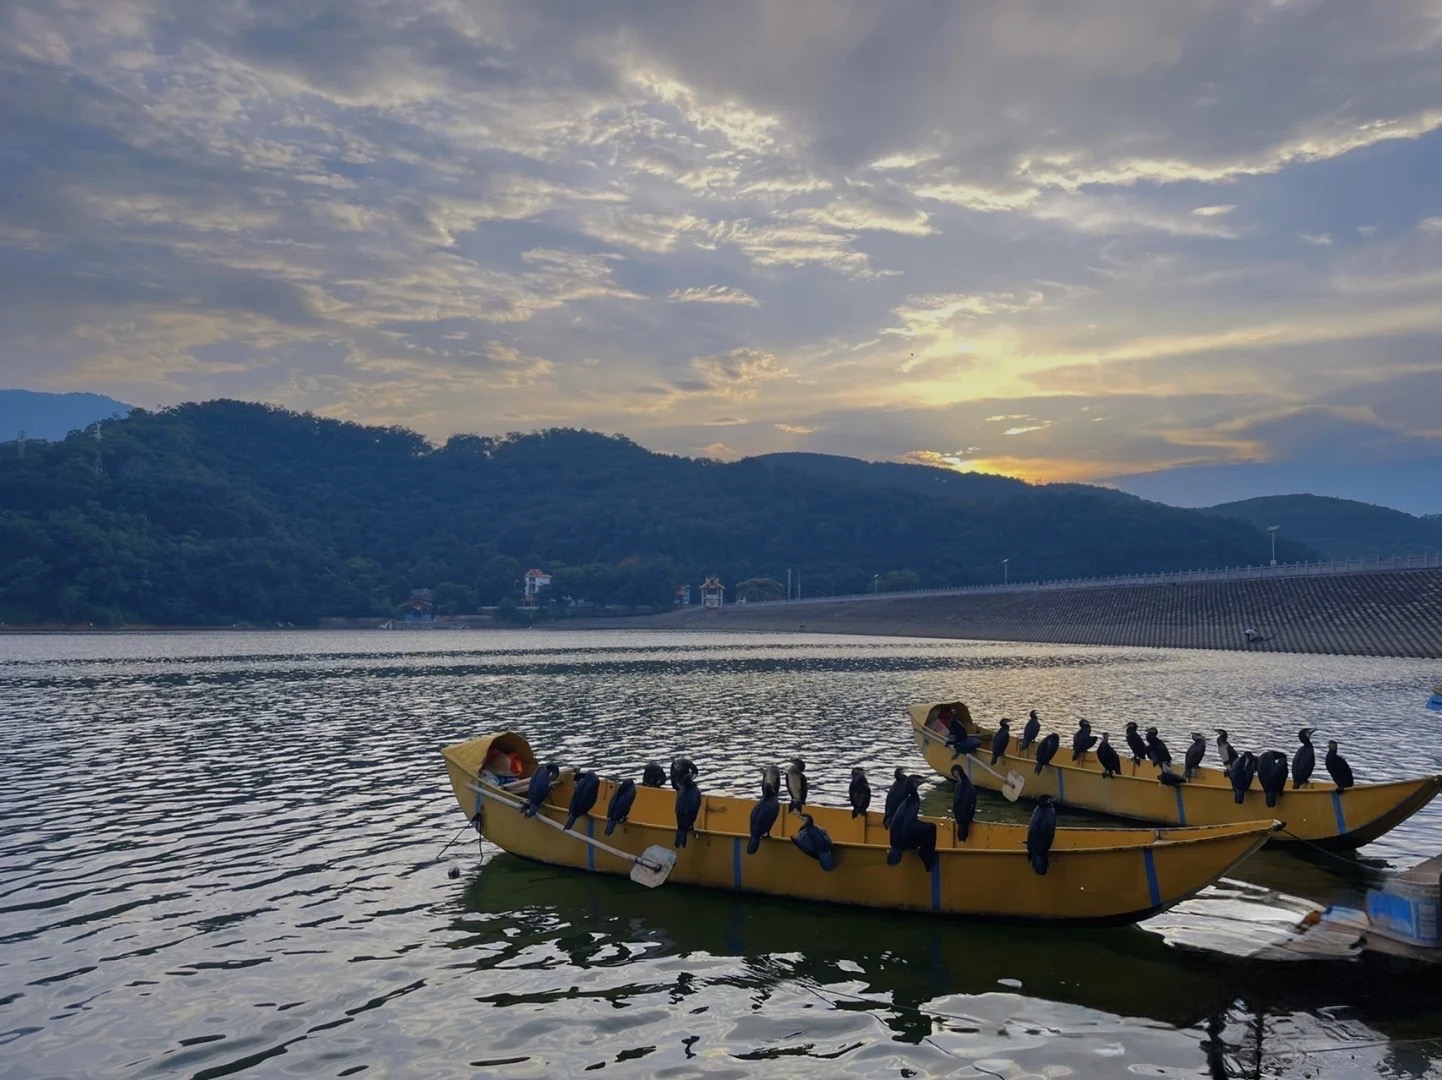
(218, 855)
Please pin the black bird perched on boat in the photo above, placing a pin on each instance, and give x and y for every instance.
(1030, 732)
(681, 767)
(771, 778)
(1157, 752)
(796, 784)
(1107, 755)
(1242, 771)
(1192, 760)
(963, 802)
(1225, 751)
(816, 842)
(1304, 760)
(1167, 778)
(1272, 774)
(860, 792)
(763, 816)
(619, 808)
(1000, 739)
(964, 744)
(653, 775)
(903, 820)
(1046, 750)
(1082, 741)
(1040, 832)
(1338, 768)
(540, 787)
(894, 797)
(1136, 743)
(584, 790)
(688, 805)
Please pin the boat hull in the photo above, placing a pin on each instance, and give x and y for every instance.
(1316, 814)
(1097, 876)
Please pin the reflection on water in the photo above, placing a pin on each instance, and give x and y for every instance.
(218, 854)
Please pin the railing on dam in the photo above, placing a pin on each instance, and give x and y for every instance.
(1167, 577)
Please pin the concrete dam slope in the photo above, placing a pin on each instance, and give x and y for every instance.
(1390, 613)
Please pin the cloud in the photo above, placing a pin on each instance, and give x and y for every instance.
(1317, 239)
(712, 294)
(796, 429)
(1431, 226)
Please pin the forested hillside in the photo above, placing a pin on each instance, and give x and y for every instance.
(230, 511)
(1340, 528)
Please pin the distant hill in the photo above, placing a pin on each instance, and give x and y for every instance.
(52, 416)
(1339, 528)
(927, 480)
(232, 511)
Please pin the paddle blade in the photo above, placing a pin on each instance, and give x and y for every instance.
(1012, 788)
(653, 867)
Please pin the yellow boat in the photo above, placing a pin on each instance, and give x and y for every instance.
(1315, 813)
(1097, 876)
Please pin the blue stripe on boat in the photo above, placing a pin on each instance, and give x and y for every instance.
(736, 862)
(1337, 809)
(1060, 785)
(1152, 877)
(936, 884)
(590, 851)
(1181, 808)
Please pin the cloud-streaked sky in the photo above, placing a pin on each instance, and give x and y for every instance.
(1060, 241)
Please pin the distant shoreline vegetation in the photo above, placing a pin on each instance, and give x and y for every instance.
(229, 512)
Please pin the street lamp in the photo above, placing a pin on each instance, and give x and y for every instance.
(1005, 578)
(876, 583)
(1272, 531)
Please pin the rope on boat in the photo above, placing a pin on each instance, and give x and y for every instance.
(1351, 863)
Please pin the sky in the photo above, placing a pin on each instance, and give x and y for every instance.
(1132, 242)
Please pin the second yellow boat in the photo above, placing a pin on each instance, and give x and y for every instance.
(1318, 814)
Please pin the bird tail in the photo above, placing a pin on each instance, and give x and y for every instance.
(1237, 796)
(1039, 767)
(1039, 863)
(928, 858)
(893, 856)
(753, 845)
(886, 822)
(795, 806)
(963, 830)
(994, 757)
(570, 820)
(681, 837)
(528, 811)
(610, 825)
(855, 813)
(827, 859)
(1271, 799)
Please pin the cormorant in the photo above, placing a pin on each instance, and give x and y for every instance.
(1338, 768)
(1107, 755)
(903, 821)
(963, 803)
(681, 767)
(1241, 772)
(1157, 752)
(894, 797)
(620, 806)
(1167, 778)
(1304, 760)
(1040, 832)
(796, 784)
(653, 776)
(1135, 743)
(860, 792)
(923, 835)
(540, 787)
(771, 778)
(688, 805)
(1082, 741)
(583, 796)
(1046, 750)
(1000, 739)
(763, 816)
(1194, 755)
(964, 744)
(1030, 732)
(1225, 751)
(816, 842)
(1272, 774)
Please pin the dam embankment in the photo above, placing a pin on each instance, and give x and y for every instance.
(1387, 613)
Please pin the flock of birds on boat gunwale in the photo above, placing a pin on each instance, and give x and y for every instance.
(1269, 768)
(906, 830)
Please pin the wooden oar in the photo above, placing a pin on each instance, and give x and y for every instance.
(650, 868)
(1011, 783)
